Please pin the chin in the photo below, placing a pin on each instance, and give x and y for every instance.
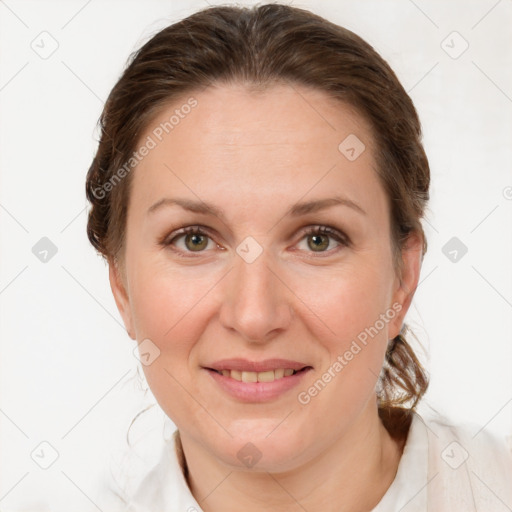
(262, 449)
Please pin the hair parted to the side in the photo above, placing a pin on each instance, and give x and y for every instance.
(258, 47)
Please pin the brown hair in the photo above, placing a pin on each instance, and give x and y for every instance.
(258, 47)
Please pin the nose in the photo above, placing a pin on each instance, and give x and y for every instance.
(256, 302)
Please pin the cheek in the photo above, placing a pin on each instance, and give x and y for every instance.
(164, 305)
(153, 304)
(355, 314)
(169, 310)
(172, 307)
(347, 301)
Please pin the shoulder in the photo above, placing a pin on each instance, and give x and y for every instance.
(466, 441)
(164, 486)
(468, 465)
(141, 477)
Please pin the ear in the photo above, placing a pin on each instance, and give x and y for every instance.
(406, 284)
(121, 297)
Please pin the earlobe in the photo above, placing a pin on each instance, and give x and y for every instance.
(412, 254)
(121, 297)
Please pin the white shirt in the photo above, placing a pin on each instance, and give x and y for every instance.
(443, 468)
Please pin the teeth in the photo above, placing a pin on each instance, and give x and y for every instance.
(268, 376)
(279, 374)
(235, 374)
(249, 377)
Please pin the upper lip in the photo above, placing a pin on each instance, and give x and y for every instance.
(244, 365)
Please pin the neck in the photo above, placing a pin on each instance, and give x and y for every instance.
(352, 475)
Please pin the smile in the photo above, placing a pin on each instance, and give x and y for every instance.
(267, 376)
(256, 381)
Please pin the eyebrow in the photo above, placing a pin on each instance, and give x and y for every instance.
(296, 210)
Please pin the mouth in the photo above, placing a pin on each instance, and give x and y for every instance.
(256, 381)
(266, 376)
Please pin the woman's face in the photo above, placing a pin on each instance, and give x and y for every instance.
(256, 292)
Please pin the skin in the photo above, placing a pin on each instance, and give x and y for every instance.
(256, 154)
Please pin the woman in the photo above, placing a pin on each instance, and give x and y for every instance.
(258, 192)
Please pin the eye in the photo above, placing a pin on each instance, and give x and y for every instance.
(194, 238)
(318, 238)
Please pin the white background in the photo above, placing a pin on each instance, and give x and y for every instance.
(68, 375)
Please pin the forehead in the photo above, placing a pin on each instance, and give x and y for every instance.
(283, 142)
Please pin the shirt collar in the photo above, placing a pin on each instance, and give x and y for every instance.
(408, 491)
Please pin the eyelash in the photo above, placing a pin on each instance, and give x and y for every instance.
(338, 236)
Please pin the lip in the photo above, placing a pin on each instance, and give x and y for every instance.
(244, 365)
(256, 392)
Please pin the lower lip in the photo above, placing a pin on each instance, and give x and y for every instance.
(257, 391)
